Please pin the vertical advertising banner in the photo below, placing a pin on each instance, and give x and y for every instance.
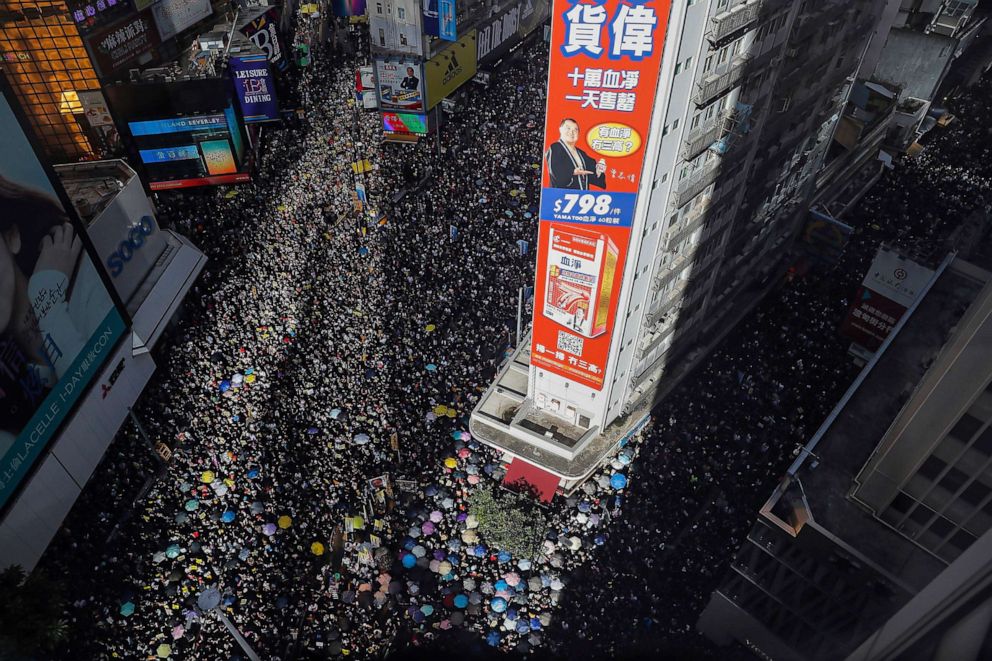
(447, 22)
(430, 18)
(254, 88)
(264, 33)
(58, 323)
(605, 60)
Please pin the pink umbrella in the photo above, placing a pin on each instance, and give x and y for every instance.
(436, 516)
(512, 578)
(177, 632)
(428, 528)
(445, 624)
(464, 453)
(473, 479)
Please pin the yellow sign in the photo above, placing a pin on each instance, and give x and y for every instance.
(450, 69)
(364, 165)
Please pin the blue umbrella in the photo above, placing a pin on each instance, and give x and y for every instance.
(599, 540)
(418, 616)
(492, 639)
(511, 614)
(173, 551)
(501, 585)
(127, 609)
(431, 490)
(427, 609)
(585, 506)
(191, 505)
(480, 550)
(312, 430)
(498, 604)
(504, 556)
(335, 413)
(461, 601)
(409, 560)
(523, 627)
(227, 516)
(618, 481)
(535, 624)
(431, 367)
(225, 385)
(363, 251)
(253, 473)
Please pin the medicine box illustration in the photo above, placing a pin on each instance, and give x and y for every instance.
(581, 267)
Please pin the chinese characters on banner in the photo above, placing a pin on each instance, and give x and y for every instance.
(605, 58)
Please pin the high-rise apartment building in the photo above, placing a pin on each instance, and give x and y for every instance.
(749, 93)
(873, 533)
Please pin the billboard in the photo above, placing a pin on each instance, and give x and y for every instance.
(254, 88)
(450, 69)
(128, 43)
(91, 14)
(532, 14)
(264, 33)
(430, 18)
(58, 322)
(184, 133)
(405, 123)
(498, 35)
(348, 7)
(174, 16)
(893, 283)
(447, 23)
(400, 84)
(602, 79)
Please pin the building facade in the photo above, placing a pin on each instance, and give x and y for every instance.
(749, 95)
(873, 527)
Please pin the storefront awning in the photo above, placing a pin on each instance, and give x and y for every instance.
(541, 481)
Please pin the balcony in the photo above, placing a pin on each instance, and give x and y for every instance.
(714, 85)
(672, 297)
(697, 182)
(728, 25)
(702, 137)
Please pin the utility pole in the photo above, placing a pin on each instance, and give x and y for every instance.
(209, 601)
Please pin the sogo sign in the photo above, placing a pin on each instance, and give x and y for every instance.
(133, 242)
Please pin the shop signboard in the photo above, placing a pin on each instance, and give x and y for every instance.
(450, 69)
(400, 85)
(603, 77)
(254, 88)
(127, 43)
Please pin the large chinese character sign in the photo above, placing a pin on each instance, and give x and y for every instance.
(605, 58)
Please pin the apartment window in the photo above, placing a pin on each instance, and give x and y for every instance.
(975, 493)
(722, 55)
(688, 62)
(961, 540)
(401, 13)
(675, 124)
(984, 442)
(664, 130)
(378, 8)
(695, 120)
(678, 68)
(921, 515)
(931, 468)
(901, 503)
(707, 64)
(722, 4)
(953, 480)
(941, 527)
(966, 427)
(403, 39)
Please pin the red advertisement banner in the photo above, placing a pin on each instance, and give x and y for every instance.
(603, 78)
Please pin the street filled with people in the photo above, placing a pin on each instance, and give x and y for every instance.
(315, 396)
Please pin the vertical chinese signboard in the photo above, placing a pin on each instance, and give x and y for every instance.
(605, 59)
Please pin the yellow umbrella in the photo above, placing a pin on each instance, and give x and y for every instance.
(163, 651)
(440, 409)
(281, 207)
(285, 522)
(451, 412)
(430, 328)
(317, 548)
(250, 378)
(207, 477)
(358, 522)
(451, 462)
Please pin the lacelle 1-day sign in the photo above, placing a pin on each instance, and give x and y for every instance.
(254, 87)
(602, 80)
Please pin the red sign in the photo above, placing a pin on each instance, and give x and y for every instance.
(605, 59)
(871, 318)
(236, 178)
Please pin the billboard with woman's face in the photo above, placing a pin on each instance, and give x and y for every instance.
(58, 323)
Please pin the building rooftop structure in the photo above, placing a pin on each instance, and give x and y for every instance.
(92, 186)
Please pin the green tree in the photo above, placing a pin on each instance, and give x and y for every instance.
(31, 609)
(509, 521)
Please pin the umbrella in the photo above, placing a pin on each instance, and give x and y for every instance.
(504, 556)
(414, 532)
(450, 462)
(269, 529)
(501, 585)
(257, 507)
(585, 506)
(285, 522)
(158, 557)
(225, 385)
(395, 587)
(461, 601)
(447, 503)
(127, 608)
(181, 518)
(419, 551)
(493, 638)
(427, 609)
(418, 616)
(227, 516)
(428, 528)
(574, 543)
(534, 584)
(207, 477)
(445, 624)
(464, 453)
(434, 565)
(436, 516)
(556, 584)
(473, 479)
(409, 560)
(618, 480)
(431, 367)
(317, 548)
(454, 544)
(498, 604)
(523, 564)
(471, 521)
(178, 631)
(430, 328)
(173, 551)
(163, 651)
(512, 578)
(191, 505)
(430, 490)
(444, 568)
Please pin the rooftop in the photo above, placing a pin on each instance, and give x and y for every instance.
(836, 454)
(92, 186)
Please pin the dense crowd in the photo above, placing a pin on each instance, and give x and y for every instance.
(327, 346)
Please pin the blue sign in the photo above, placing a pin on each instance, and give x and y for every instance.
(176, 125)
(565, 205)
(254, 88)
(169, 154)
(430, 18)
(447, 24)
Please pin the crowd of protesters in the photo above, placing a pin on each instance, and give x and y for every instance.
(316, 394)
